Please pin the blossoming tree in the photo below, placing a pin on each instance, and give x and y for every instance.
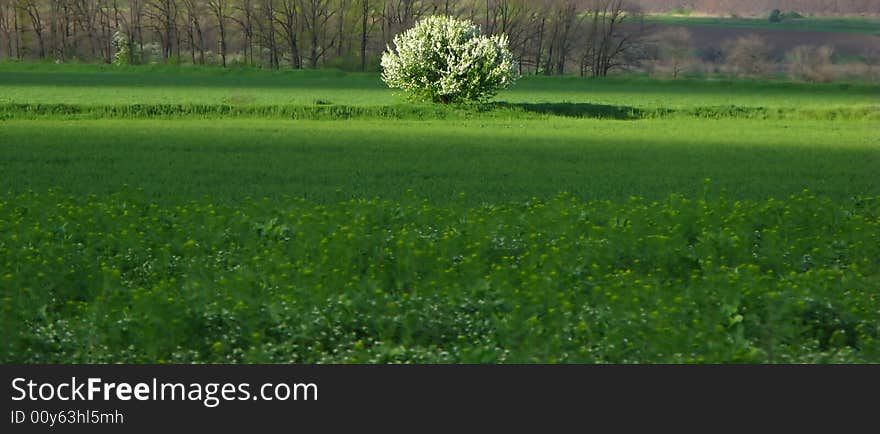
(446, 60)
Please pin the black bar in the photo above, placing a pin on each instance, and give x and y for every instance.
(421, 398)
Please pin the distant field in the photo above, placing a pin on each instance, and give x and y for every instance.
(159, 215)
(870, 26)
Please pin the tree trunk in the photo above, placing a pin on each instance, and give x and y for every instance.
(340, 36)
(540, 50)
(366, 11)
(222, 39)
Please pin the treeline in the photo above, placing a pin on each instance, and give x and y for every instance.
(763, 7)
(592, 37)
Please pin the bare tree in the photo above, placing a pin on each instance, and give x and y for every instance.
(567, 21)
(540, 19)
(398, 15)
(32, 8)
(135, 31)
(245, 21)
(365, 18)
(193, 13)
(6, 12)
(614, 39)
(446, 7)
(163, 14)
(267, 33)
(57, 35)
(86, 13)
(316, 15)
(108, 21)
(219, 8)
(287, 19)
(511, 17)
(340, 26)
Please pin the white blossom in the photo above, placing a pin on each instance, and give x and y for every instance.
(443, 59)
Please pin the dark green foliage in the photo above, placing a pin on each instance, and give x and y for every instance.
(325, 110)
(776, 16)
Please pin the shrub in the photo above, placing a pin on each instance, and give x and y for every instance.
(749, 56)
(446, 60)
(811, 63)
(776, 16)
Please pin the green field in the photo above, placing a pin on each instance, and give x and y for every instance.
(869, 26)
(90, 85)
(490, 161)
(157, 215)
(119, 279)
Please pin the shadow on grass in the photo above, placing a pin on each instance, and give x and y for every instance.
(575, 110)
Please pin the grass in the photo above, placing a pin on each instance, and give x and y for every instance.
(118, 279)
(157, 215)
(870, 26)
(489, 160)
